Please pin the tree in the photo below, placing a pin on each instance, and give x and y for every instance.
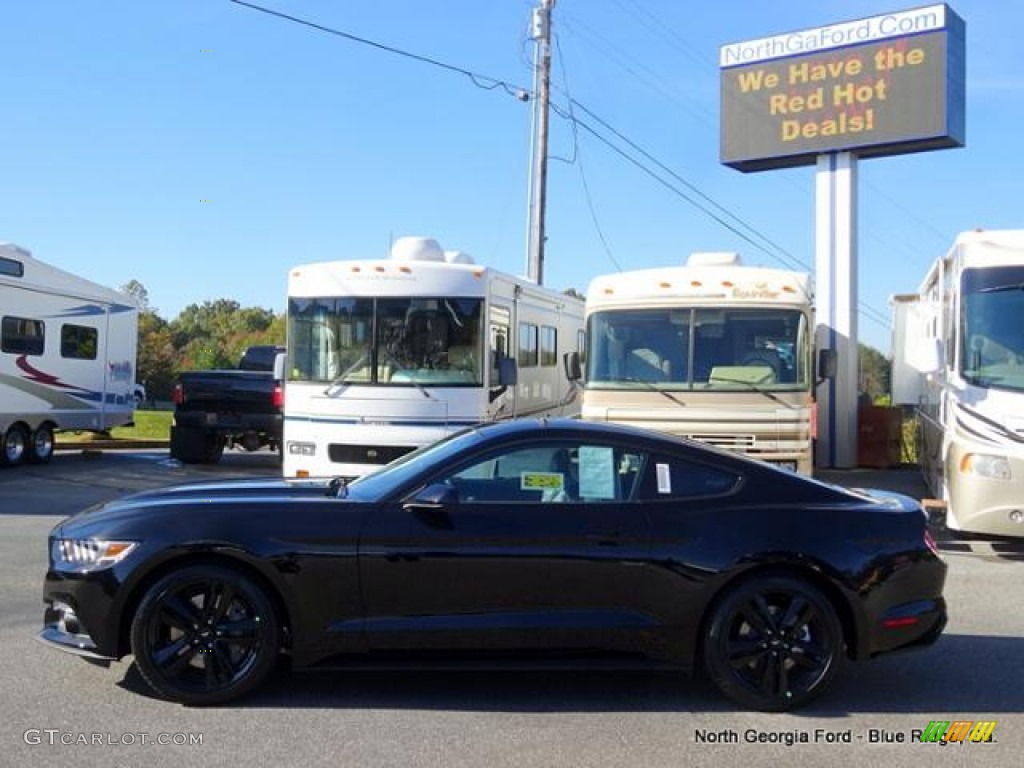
(875, 372)
(157, 362)
(138, 291)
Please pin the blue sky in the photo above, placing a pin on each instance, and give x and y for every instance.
(203, 148)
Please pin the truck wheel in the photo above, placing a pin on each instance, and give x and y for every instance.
(188, 445)
(214, 449)
(13, 446)
(40, 445)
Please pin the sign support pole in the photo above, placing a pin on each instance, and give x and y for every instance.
(836, 300)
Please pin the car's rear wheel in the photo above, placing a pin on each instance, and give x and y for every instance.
(773, 643)
(205, 634)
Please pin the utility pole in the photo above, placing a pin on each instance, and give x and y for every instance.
(540, 33)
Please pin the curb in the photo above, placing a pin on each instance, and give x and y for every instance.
(92, 446)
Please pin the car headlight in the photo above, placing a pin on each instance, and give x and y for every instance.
(90, 554)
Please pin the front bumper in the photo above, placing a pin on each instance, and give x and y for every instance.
(63, 630)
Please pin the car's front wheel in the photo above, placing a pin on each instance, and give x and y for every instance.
(773, 643)
(205, 634)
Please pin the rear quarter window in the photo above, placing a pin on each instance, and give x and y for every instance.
(669, 477)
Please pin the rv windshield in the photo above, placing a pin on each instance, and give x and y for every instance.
(386, 341)
(709, 349)
(992, 352)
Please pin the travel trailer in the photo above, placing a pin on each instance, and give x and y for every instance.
(387, 355)
(958, 359)
(714, 350)
(67, 356)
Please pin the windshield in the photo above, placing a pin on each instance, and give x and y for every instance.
(706, 349)
(381, 482)
(992, 352)
(392, 341)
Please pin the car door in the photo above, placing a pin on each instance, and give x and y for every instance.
(533, 545)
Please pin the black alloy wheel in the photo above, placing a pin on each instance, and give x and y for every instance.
(773, 644)
(204, 635)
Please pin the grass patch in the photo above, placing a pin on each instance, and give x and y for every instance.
(149, 425)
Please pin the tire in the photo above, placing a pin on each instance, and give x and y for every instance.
(189, 445)
(40, 445)
(214, 449)
(773, 643)
(14, 446)
(204, 635)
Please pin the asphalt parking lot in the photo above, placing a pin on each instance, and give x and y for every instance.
(57, 709)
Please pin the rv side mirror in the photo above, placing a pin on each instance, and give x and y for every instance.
(931, 356)
(573, 371)
(827, 364)
(508, 372)
(279, 362)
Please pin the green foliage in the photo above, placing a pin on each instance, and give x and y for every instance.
(875, 372)
(149, 425)
(213, 334)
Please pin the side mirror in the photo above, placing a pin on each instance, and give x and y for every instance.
(432, 503)
(827, 364)
(508, 372)
(931, 355)
(279, 362)
(337, 488)
(434, 496)
(573, 370)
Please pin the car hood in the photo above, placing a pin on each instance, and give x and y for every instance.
(193, 499)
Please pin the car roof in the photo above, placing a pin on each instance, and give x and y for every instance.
(577, 427)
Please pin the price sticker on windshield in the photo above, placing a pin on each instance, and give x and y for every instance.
(541, 481)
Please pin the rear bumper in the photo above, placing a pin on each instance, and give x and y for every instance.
(227, 423)
(910, 626)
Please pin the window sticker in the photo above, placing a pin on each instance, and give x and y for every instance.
(597, 472)
(541, 481)
(664, 478)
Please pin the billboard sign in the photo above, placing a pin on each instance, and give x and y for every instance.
(884, 85)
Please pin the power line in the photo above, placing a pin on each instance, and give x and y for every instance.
(481, 81)
(578, 158)
(487, 82)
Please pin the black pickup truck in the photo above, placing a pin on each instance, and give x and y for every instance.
(224, 408)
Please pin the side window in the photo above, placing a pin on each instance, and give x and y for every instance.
(548, 345)
(667, 477)
(528, 357)
(501, 317)
(22, 336)
(557, 472)
(78, 342)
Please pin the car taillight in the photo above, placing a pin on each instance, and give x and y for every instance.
(278, 397)
(178, 395)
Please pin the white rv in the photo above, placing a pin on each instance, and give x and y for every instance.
(67, 356)
(713, 350)
(958, 357)
(387, 355)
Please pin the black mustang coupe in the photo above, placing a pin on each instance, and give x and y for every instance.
(533, 543)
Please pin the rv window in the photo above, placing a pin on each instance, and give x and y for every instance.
(548, 345)
(527, 345)
(11, 267)
(78, 342)
(21, 336)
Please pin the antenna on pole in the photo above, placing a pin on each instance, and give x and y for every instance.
(540, 33)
